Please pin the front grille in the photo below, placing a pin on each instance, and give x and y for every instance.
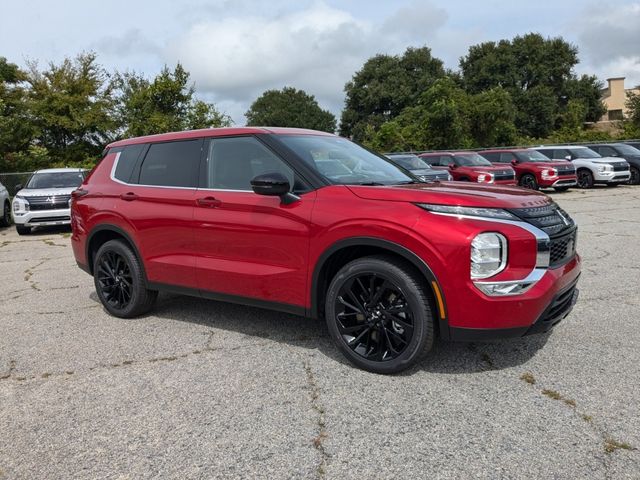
(566, 170)
(51, 202)
(504, 175)
(563, 248)
(620, 167)
(50, 219)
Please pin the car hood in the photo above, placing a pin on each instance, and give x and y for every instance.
(487, 168)
(45, 192)
(455, 193)
(603, 160)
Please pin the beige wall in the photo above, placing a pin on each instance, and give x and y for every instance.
(615, 96)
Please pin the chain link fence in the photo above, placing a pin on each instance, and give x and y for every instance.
(10, 180)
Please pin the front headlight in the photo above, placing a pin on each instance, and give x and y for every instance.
(485, 178)
(605, 168)
(488, 255)
(548, 173)
(20, 204)
(453, 210)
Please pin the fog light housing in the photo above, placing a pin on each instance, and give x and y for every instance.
(488, 255)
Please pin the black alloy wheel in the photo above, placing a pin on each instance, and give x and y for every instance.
(115, 280)
(585, 179)
(6, 215)
(529, 181)
(379, 315)
(119, 280)
(635, 176)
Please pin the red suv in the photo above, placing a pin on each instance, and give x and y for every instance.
(470, 167)
(534, 170)
(311, 224)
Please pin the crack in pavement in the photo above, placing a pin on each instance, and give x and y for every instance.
(318, 441)
(28, 273)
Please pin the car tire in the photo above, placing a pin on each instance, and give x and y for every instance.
(385, 324)
(585, 178)
(561, 189)
(529, 181)
(5, 221)
(119, 280)
(635, 176)
(23, 230)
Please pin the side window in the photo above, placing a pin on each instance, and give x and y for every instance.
(172, 164)
(446, 160)
(506, 157)
(607, 152)
(431, 160)
(233, 162)
(127, 162)
(491, 156)
(561, 154)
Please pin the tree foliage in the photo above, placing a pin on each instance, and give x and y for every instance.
(164, 104)
(384, 87)
(290, 107)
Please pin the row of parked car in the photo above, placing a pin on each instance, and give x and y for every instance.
(559, 167)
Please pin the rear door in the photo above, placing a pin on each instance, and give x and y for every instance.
(251, 245)
(158, 202)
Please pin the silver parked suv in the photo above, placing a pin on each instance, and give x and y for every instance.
(591, 167)
(5, 219)
(44, 200)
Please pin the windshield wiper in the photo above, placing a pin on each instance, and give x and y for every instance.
(408, 182)
(370, 184)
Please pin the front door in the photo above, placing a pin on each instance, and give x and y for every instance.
(250, 245)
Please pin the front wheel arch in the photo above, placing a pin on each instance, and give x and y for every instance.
(344, 251)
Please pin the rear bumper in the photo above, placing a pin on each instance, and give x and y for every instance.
(556, 311)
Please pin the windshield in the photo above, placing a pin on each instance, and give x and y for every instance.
(55, 180)
(471, 160)
(531, 156)
(628, 150)
(344, 162)
(410, 162)
(584, 153)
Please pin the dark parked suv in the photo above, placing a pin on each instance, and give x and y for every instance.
(624, 151)
(309, 223)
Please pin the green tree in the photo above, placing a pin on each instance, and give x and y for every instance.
(290, 108)
(492, 116)
(386, 85)
(632, 125)
(164, 104)
(71, 108)
(16, 126)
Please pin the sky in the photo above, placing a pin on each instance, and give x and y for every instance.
(237, 49)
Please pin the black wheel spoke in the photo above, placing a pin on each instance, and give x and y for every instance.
(347, 304)
(115, 279)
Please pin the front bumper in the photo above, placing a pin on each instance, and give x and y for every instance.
(565, 182)
(43, 218)
(612, 177)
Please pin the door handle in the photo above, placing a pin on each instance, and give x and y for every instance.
(129, 196)
(209, 202)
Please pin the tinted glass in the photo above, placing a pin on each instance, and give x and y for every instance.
(127, 162)
(560, 154)
(506, 157)
(233, 162)
(171, 164)
(410, 162)
(531, 156)
(583, 153)
(606, 151)
(446, 160)
(493, 156)
(55, 180)
(628, 150)
(547, 153)
(358, 166)
(431, 160)
(471, 160)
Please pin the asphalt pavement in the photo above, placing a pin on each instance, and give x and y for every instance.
(202, 389)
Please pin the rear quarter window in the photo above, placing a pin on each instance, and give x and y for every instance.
(127, 162)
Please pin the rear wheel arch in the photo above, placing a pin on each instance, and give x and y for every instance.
(344, 251)
(102, 234)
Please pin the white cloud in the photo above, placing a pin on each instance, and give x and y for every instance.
(317, 49)
(609, 40)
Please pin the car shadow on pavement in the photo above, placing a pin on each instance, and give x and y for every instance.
(41, 231)
(445, 357)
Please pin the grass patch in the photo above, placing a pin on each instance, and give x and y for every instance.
(529, 378)
(586, 418)
(611, 445)
(552, 394)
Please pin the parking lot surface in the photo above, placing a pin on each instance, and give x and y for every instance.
(202, 389)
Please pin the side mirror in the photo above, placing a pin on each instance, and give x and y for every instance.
(514, 162)
(568, 157)
(274, 184)
(452, 166)
(18, 188)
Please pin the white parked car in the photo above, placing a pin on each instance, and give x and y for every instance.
(44, 200)
(591, 168)
(5, 203)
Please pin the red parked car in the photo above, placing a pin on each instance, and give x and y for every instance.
(470, 167)
(534, 170)
(309, 223)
